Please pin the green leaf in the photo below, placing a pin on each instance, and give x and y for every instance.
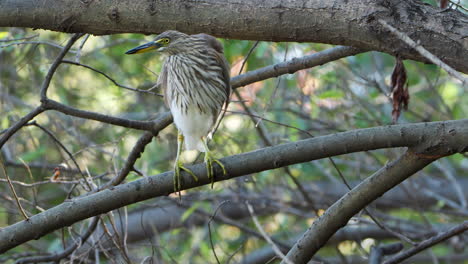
(331, 94)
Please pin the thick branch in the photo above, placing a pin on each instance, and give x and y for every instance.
(435, 138)
(339, 22)
(144, 223)
(354, 201)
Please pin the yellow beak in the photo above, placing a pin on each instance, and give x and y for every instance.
(144, 48)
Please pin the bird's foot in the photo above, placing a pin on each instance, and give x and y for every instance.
(209, 160)
(178, 166)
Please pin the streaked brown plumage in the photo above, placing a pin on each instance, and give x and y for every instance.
(195, 81)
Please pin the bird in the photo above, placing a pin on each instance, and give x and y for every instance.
(196, 85)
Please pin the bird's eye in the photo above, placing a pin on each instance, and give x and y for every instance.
(165, 41)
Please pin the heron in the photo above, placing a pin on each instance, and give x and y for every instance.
(196, 85)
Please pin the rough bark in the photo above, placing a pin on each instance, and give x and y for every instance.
(340, 22)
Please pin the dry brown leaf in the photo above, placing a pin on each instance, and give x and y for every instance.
(400, 95)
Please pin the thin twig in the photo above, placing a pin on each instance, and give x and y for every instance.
(428, 243)
(209, 228)
(265, 235)
(134, 155)
(18, 125)
(34, 184)
(54, 66)
(110, 78)
(273, 95)
(235, 92)
(66, 252)
(459, 6)
(17, 39)
(80, 47)
(33, 42)
(70, 155)
(114, 238)
(32, 179)
(20, 207)
(448, 173)
(231, 222)
(273, 122)
(120, 241)
(424, 52)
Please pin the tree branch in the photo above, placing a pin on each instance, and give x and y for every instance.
(135, 154)
(144, 223)
(424, 52)
(18, 125)
(45, 85)
(110, 78)
(338, 22)
(378, 252)
(68, 110)
(431, 139)
(54, 66)
(66, 252)
(294, 65)
(428, 243)
(354, 201)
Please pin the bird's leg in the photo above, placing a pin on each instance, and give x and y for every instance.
(209, 162)
(179, 166)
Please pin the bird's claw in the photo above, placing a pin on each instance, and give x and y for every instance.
(177, 179)
(209, 160)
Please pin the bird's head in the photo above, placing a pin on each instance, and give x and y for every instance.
(168, 42)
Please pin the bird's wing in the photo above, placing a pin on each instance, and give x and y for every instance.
(162, 83)
(226, 77)
(213, 43)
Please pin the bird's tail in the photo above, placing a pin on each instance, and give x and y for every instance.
(192, 143)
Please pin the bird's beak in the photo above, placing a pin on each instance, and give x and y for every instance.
(144, 48)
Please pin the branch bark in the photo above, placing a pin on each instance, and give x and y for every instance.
(339, 22)
(428, 139)
(354, 201)
(144, 223)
